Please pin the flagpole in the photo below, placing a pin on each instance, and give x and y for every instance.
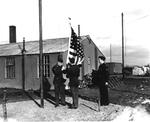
(41, 53)
(69, 39)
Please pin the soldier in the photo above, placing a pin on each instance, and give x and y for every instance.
(59, 81)
(73, 72)
(102, 78)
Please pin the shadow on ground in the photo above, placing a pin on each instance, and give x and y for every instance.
(116, 96)
(18, 95)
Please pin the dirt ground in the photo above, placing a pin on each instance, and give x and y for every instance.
(27, 111)
(127, 103)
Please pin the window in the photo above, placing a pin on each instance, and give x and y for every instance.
(46, 66)
(10, 67)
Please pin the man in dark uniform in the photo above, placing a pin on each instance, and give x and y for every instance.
(59, 81)
(102, 78)
(73, 72)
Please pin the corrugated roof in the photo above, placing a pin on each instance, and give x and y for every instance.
(32, 47)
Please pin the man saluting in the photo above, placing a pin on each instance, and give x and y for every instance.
(59, 81)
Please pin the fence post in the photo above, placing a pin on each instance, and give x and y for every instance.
(4, 105)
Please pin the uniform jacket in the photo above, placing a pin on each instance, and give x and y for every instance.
(102, 75)
(58, 75)
(73, 73)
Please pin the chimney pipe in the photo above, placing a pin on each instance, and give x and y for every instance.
(12, 34)
(78, 30)
(23, 50)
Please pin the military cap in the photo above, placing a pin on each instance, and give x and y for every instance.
(71, 60)
(60, 58)
(102, 57)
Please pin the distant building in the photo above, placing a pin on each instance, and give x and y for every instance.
(114, 68)
(11, 60)
(138, 71)
(141, 70)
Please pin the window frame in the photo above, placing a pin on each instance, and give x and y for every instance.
(46, 66)
(10, 67)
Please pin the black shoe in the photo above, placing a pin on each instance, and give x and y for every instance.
(104, 104)
(70, 107)
(73, 107)
(64, 104)
(56, 106)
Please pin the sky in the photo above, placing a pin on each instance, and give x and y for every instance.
(101, 19)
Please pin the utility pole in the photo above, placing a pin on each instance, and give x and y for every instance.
(110, 54)
(122, 45)
(41, 53)
(23, 65)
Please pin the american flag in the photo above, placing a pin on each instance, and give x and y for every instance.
(75, 48)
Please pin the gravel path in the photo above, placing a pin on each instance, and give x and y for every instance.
(28, 111)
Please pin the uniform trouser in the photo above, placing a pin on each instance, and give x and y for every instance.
(104, 95)
(60, 92)
(74, 91)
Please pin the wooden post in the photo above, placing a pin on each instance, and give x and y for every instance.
(4, 105)
(122, 46)
(23, 65)
(41, 53)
